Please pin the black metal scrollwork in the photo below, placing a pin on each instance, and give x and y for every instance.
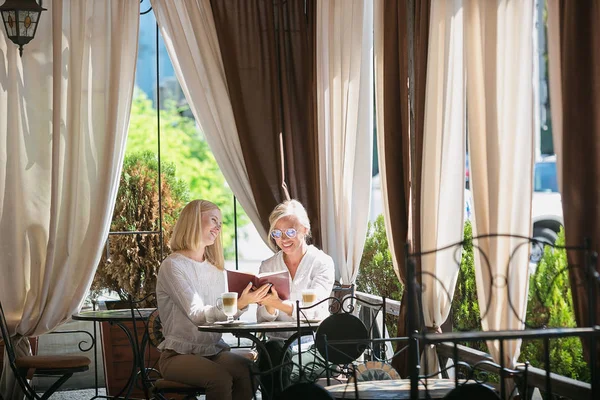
(81, 343)
(499, 281)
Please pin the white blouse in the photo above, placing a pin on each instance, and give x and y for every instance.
(186, 291)
(315, 271)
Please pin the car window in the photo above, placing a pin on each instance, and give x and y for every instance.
(545, 177)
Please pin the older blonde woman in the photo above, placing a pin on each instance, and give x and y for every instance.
(308, 267)
(190, 281)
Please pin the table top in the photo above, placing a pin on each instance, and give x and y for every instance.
(392, 389)
(113, 315)
(274, 326)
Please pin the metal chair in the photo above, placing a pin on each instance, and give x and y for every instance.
(152, 381)
(60, 367)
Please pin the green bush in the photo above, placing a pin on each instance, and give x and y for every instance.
(376, 272)
(549, 301)
(465, 307)
(550, 305)
(377, 275)
(130, 264)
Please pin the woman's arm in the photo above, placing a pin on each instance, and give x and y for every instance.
(187, 297)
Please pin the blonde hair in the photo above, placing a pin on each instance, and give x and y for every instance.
(187, 233)
(289, 208)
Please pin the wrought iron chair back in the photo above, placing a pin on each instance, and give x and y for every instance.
(60, 367)
(340, 339)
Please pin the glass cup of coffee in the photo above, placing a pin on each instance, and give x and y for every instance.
(309, 297)
(228, 304)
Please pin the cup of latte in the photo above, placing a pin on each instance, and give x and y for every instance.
(309, 297)
(228, 304)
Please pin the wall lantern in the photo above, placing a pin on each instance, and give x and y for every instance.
(21, 18)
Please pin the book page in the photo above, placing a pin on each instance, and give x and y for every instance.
(237, 281)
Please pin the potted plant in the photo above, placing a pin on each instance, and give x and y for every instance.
(130, 264)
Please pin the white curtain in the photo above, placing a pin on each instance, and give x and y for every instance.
(189, 32)
(443, 178)
(65, 110)
(499, 65)
(345, 128)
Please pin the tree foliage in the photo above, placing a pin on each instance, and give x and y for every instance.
(183, 144)
(550, 304)
(465, 308)
(130, 266)
(376, 272)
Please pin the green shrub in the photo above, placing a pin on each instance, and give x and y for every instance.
(550, 305)
(549, 301)
(377, 275)
(465, 307)
(130, 266)
(376, 272)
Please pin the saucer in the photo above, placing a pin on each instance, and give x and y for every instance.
(310, 321)
(236, 322)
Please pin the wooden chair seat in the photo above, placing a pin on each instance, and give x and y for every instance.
(59, 367)
(78, 363)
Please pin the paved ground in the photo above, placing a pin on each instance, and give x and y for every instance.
(77, 394)
(89, 393)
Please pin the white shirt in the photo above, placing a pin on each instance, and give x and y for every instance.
(185, 292)
(315, 271)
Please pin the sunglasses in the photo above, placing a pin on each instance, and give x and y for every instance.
(290, 233)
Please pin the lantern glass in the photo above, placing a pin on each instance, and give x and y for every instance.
(10, 22)
(28, 23)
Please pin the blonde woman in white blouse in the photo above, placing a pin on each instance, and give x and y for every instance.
(308, 267)
(189, 282)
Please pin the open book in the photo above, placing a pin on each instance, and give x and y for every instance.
(238, 281)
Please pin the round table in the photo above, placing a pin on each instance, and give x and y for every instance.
(392, 389)
(113, 316)
(118, 318)
(250, 330)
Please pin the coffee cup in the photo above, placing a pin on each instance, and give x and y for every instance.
(309, 297)
(228, 304)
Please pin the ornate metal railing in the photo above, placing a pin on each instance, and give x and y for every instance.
(562, 386)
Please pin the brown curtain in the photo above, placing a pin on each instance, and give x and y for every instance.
(268, 51)
(396, 159)
(579, 77)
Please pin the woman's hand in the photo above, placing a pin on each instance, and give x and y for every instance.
(250, 296)
(271, 301)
